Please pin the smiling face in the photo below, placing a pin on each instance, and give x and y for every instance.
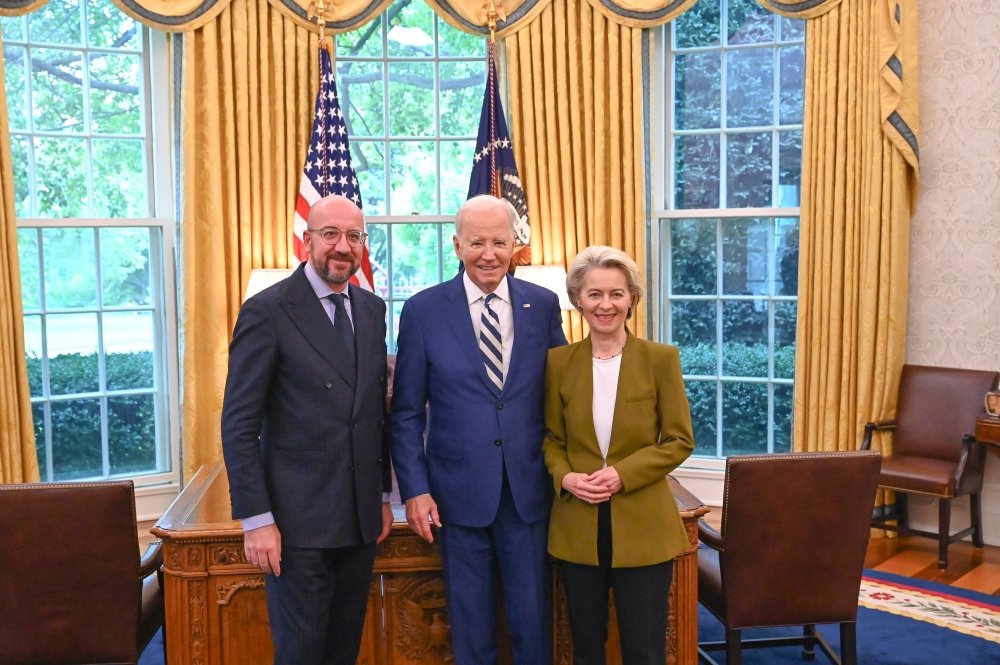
(335, 263)
(605, 300)
(484, 241)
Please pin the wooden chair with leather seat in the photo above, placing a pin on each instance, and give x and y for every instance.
(791, 550)
(932, 451)
(72, 584)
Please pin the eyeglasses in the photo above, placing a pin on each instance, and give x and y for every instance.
(331, 236)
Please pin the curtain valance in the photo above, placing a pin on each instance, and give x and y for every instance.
(467, 15)
(799, 8)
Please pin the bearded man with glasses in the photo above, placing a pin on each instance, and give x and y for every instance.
(302, 423)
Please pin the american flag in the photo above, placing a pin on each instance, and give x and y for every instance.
(328, 167)
(493, 168)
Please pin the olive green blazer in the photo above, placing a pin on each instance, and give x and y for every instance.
(650, 437)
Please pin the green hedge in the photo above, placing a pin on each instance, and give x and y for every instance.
(76, 434)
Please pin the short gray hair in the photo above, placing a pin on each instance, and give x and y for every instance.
(602, 256)
(481, 201)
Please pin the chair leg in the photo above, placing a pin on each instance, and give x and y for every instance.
(734, 649)
(976, 515)
(902, 516)
(944, 531)
(809, 646)
(848, 643)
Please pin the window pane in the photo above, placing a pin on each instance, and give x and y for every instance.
(14, 82)
(392, 330)
(72, 349)
(786, 261)
(13, 28)
(455, 42)
(697, 172)
(38, 416)
(128, 348)
(744, 256)
(749, 23)
(76, 437)
(748, 170)
(789, 168)
(698, 26)
(784, 339)
(792, 29)
(362, 98)
(57, 22)
(125, 276)
(793, 68)
(744, 338)
(697, 85)
(411, 98)
(412, 168)
(22, 190)
(34, 351)
(360, 43)
(456, 167)
(744, 418)
(108, 27)
(27, 255)
(132, 433)
(368, 159)
(57, 90)
(70, 275)
(114, 93)
(693, 331)
(119, 179)
(412, 30)
(702, 400)
(462, 85)
(749, 88)
(378, 253)
(60, 177)
(783, 396)
(414, 267)
(692, 256)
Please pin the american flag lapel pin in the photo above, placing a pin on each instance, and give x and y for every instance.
(526, 305)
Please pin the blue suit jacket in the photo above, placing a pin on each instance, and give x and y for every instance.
(474, 433)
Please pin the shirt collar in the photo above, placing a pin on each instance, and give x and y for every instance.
(474, 293)
(319, 285)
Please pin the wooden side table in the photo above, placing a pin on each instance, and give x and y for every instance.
(988, 431)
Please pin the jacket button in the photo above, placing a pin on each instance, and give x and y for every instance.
(498, 442)
(500, 406)
(328, 385)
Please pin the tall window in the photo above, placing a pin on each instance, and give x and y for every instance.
(93, 275)
(727, 236)
(411, 87)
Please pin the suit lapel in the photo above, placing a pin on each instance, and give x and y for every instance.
(306, 313)
(456, 306)
(366, 317)
(630, 381)
(520, 310)
(580, 375)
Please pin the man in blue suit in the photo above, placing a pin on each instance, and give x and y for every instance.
(470, 369)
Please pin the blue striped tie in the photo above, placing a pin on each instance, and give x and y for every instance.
(490, 342)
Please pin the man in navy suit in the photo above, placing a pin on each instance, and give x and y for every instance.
(470, 368)
(302, 435)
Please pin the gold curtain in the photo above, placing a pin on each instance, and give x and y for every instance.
(859, 187)
(18, 459)
(249, 82)
(575, 88)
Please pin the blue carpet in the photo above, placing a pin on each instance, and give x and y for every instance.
(883, 638)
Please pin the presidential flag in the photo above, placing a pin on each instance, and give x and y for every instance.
(328, 167)
(493, 168)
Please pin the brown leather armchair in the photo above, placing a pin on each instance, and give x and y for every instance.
(791, 550)
(72, 586)
(932, 452)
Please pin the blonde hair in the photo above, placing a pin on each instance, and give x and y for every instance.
(602, 256)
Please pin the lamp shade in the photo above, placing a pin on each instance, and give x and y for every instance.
(552, 277)
(261, 278)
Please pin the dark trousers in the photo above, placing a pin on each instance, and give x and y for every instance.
(641, 598)
(317, 605)
(471, 556)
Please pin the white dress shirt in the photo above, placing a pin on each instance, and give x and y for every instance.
(501, 305)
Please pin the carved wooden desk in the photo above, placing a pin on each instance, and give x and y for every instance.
(216, 613)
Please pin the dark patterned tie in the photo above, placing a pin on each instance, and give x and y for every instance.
(490, 342)
(343, 333)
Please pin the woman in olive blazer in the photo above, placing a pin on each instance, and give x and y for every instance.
(617, 421)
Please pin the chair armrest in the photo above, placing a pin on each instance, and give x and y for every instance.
(710, 536)
(151, 559)
(871, 428)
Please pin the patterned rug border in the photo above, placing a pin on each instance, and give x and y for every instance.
(968, 616)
